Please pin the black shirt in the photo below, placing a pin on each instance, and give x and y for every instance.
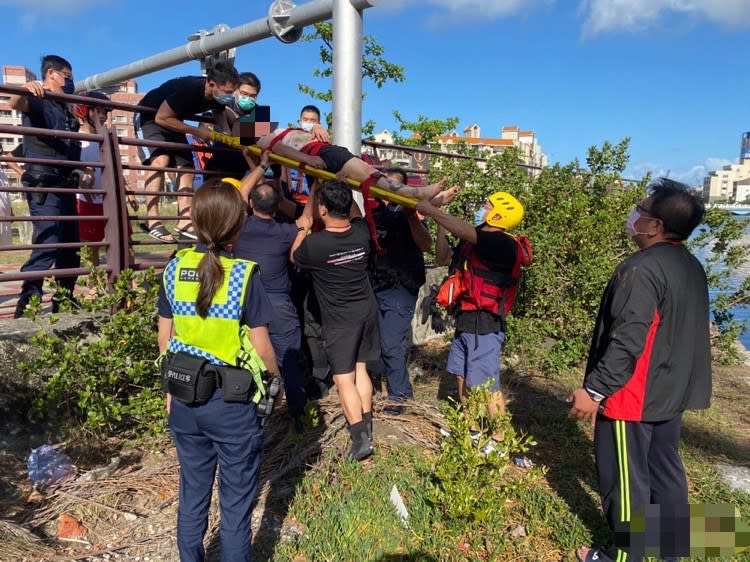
(497, 251)
(338, 263)
(186, 96)
(49, 114)
(402, 264)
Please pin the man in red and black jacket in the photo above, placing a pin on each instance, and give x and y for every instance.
(649, 361)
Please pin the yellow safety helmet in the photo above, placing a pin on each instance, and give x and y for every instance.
(506, 213)
(237, 184)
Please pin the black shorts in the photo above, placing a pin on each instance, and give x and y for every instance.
(347, 345)
(150, 131)
(335, 157)
(230, 164)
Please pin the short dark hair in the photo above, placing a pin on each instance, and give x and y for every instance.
(679, 208)
(250, 79)
(55, 63)
(397, 172)
(311, 109)
(265, 199)
(223, 72)
(336, 196)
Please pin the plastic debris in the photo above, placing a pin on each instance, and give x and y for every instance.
(47, 465)
(523, 462)
(399, 505)
(101, 472)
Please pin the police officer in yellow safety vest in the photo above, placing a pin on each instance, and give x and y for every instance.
(213, 335)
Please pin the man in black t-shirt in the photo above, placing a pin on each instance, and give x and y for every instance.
(474, 357)
(337, 258)
(174, 101)
(396, 278)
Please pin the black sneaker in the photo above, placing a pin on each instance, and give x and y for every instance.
(21, 306)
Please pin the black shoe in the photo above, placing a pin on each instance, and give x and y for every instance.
(322, 387)
(21, 306)
(361, 445)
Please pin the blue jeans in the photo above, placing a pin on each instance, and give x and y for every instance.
(227, 434)
(286, 338)
(395, 312)
(50, 232)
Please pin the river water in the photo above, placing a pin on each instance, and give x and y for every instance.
(741, 312)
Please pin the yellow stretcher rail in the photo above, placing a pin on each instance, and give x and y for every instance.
(375, 191)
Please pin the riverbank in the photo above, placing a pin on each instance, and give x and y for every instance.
(130, 513)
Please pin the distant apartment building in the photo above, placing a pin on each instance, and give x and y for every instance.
(122, 121)
(17, 76)
(531, 151)
(732, 182)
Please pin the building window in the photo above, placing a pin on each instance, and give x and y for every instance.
(141, 184)
(124, 159)
(141, 172)
(119, 119)
(6, 113)
(121, 131)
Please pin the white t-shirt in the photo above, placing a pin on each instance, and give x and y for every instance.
(90, 153)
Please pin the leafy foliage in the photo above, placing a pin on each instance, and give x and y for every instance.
(467, 484)
(374, 66)
(574, 217)
(718, 243)
(107, 380)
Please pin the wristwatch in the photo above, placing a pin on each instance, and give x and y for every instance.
(595, 396)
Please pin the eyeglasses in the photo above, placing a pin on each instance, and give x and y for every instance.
(67, 75)
(643, 210)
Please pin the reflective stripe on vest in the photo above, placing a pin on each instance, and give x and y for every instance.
(218, 336)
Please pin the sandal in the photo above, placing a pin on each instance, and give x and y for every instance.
(159, 232)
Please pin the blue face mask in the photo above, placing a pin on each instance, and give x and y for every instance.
(479, 216)
(306, 126)
(69, 86)
(224, 99)
(245, 103)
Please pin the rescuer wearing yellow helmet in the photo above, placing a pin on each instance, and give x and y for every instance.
(488, 264)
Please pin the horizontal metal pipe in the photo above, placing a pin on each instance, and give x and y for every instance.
(26, 275)
(52, 246)
(298, 17)
(37, 132)
(63, 218)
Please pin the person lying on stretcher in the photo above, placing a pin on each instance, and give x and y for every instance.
(301, 146)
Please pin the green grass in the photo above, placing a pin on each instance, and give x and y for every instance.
(345, 514)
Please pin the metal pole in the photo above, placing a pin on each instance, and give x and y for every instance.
(295, 17)
(347, 78)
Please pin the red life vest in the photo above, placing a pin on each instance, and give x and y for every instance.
(488, 290)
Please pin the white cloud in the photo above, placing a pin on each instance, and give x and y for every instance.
(447, 11)
(603, 16)
(692, 177)
(32, 13)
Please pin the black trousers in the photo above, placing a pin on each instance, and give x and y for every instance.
(639, 465)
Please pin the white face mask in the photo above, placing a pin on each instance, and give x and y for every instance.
(306, 126)
(630, 223)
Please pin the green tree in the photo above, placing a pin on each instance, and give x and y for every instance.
(375, 67)
(425, 132)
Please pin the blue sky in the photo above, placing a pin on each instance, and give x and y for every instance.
(670, 74)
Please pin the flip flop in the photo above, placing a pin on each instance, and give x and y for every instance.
(160, 232)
